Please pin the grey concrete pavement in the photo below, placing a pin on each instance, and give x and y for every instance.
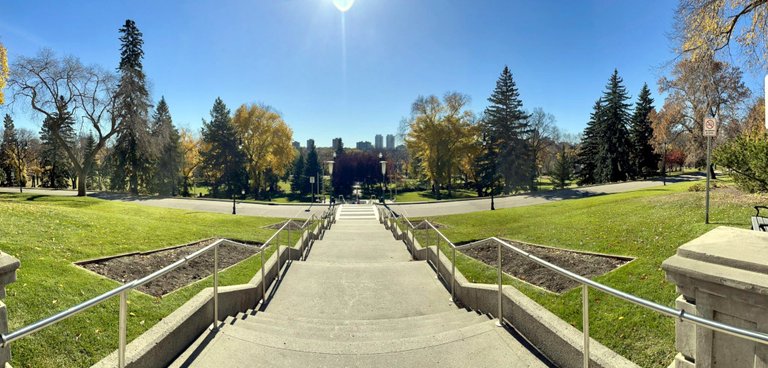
(426, 209)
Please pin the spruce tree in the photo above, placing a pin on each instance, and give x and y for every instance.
(298, 180)
(53, 156)
(643, 158)
(167, 168)
(8, 144)
(612, 160)
(312, 169)
(591, 140)
(563, 169)
(508, 129)
(223, 158)
(89, 146)
(133, 147)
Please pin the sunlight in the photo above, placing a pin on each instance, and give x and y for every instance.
(343, 5)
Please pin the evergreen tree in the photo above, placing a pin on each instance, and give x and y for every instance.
(643, 158)
(133, 147)
(488, 177)
(222, 158)
(312, 169)
(586, 159)
(508, 129)
(165, 178)
(8, 144)
(340, 148)
(563, 169)
(53, 156)
(89, 145)
(298, 180)
(612, 160)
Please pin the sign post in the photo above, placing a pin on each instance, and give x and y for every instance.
(312, 187)
(710, 130)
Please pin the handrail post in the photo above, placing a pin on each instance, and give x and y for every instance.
(437, 252)
(413, 244)
(498, 271)
(216, 286)
(263, 279)
(122, 328)
(290, 246)
(453, 275)
(585, 321)
(277, 244)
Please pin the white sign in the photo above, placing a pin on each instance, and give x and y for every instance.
(710, 127)
(312, 180)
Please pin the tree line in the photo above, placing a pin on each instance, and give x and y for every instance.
(100, 130)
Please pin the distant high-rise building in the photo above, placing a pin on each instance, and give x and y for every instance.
(379, 142)
(336, 143)
(310, 144)
(296, 145)
(364, 146)
(390, 141)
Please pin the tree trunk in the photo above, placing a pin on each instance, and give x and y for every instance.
(81, 178)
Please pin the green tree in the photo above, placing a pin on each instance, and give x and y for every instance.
(8, 144)
(56, 166)
(488, 179)
(298, 181)
(222, 159)
(563, 168)
(745, 157)
(612, 160)
(311, 169)
(508, 130)
(133, 146)
(643, 159)
(165, 179)
(586, 158)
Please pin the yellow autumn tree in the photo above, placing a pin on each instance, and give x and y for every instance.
(190, 158)
(441, 133)
(707, 26)
(266, 142)
(4, 71)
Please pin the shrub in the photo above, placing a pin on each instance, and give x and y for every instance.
(698, 187)
(747, 158)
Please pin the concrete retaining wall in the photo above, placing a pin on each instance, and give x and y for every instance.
(560, 342)
(163, 342)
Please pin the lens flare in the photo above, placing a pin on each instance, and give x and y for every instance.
(343, 5)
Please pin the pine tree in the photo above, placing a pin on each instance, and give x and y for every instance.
(643, 158)
(298, 180)
(9, 142)
(167, 168)
(563, 169)
(133, 147)
(89, 146)
(488, 177)
(612, 160)
(311, 169)
(53, 156)
(222, 157)
(507, 130)
(591, 140)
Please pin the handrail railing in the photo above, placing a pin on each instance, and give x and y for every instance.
(586, 283)
(122, 290)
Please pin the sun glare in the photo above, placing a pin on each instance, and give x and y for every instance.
(343, 5)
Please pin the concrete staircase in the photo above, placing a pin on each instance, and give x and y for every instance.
(358, 301)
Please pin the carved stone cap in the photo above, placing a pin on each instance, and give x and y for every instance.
(8, 267)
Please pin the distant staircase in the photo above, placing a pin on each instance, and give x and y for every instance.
(358, 301)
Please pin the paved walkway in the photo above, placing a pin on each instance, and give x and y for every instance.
(484, 204)
(359, 301)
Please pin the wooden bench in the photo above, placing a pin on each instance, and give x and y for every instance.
(759, 223)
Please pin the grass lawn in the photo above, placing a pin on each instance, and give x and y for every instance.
(649, 224)
(427, 196)
(47, 234)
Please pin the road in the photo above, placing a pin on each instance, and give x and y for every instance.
(423, 209)
(426, 209)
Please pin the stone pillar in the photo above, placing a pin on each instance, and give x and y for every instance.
(722, 275)
(8, 266)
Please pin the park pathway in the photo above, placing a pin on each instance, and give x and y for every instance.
(358, 301)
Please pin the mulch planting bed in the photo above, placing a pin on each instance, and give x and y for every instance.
(587, 265)
(424, 226)
(131, 267)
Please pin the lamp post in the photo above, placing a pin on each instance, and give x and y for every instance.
(234, 204)
(383, 173)
(330, 173)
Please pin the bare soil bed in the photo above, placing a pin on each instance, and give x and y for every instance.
(292, 225)
(587, 265)
(133, 266)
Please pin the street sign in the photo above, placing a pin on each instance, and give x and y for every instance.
(312, 180)
(710, 127)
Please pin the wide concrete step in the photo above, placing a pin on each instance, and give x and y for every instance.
(287, 319)
(352, 251)
(354, 332)
(360, 290)
(478, 345)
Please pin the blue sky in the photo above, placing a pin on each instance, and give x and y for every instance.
(289, 54)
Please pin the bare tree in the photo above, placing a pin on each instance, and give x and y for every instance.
(56, 87)
(543, 132)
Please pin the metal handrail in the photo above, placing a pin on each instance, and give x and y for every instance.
(122, 290)
(586, 283)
